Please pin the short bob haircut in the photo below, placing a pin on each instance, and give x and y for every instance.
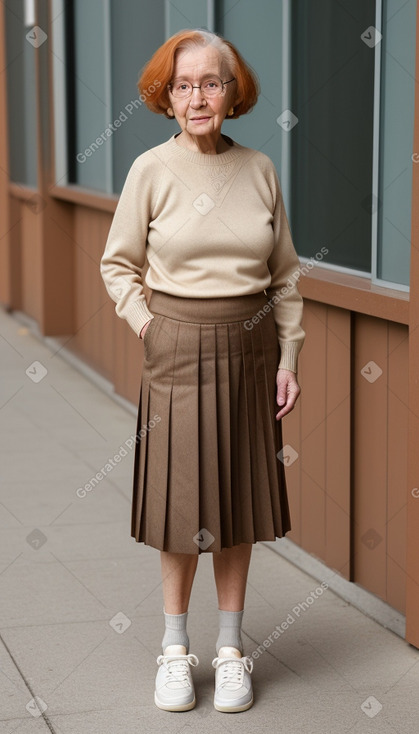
(158, 71)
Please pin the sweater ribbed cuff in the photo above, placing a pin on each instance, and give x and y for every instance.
(138, 315)
(289, 355)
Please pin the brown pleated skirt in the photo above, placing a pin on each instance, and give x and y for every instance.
(206, 471)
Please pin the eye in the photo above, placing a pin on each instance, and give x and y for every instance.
(181, 86)
(211, 84)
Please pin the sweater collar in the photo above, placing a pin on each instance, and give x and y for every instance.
(207, 159)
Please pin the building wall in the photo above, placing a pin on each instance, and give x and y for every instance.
(348, 485)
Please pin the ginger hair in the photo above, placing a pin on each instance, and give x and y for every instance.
(157, 72)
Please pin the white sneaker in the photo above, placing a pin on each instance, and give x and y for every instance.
(174, 685)
(233, 684)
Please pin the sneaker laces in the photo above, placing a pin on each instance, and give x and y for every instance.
(232, 674)
(177, 668)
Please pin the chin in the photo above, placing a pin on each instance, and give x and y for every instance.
(203, 127)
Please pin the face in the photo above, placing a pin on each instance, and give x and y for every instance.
(198, 115)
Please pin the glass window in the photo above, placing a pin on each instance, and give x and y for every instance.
(188, 14)
(331, 144)
(136, 33)
(397, 97)
(21, 95)
(353, 82)
(107, 43)
(92, 94)
(257, 33)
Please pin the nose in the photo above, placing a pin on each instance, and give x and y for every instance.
(197, 98)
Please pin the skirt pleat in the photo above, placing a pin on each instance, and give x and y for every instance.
(209, 480)
(182, 509)
(272, 467)
(225, 469)
(261, 500)
(206, 471)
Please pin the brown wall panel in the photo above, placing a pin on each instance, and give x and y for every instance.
(106, 319)
(13, 258)
(101, 338)
(128, 360)
(396, 561)
(41, 255)
(32, 262)
(370, 408)
(398, 417)
(319, 481)
(337, 520)
(313, 430)
(93, 337)
(380, 457)
(338, 440)
(58, 267)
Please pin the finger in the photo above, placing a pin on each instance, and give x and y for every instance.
(288, 406)
(283, 412)
(282, 393)
(281, 399)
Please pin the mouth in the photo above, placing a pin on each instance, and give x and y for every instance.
(199, 119)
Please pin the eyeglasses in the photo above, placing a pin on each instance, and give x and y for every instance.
(212, 87)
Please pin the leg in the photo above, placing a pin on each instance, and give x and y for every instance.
(233, 685)
(174, 685)
(178, 573)
(231, 566)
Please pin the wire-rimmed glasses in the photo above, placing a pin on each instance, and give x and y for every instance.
(211, 87)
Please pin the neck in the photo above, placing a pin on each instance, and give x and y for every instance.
(208, 144)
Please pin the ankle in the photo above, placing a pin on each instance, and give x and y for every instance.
(175, 631)
(230, 630)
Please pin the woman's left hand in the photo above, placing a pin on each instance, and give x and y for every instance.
(287, 393)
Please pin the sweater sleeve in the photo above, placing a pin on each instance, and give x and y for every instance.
(124, 256)
(284, 266)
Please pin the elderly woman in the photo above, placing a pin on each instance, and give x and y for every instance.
(222, 333)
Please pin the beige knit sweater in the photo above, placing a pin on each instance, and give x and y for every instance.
(209, 225)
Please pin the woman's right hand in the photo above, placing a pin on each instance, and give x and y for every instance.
(144, 329)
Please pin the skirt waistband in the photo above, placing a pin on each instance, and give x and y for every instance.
(207, 310)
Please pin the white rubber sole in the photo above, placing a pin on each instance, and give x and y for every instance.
(233, 709)
(174, 707)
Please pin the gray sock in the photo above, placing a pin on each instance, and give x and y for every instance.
(175, 630)
(230, 630)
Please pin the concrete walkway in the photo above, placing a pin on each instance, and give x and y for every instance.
(81, 604)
